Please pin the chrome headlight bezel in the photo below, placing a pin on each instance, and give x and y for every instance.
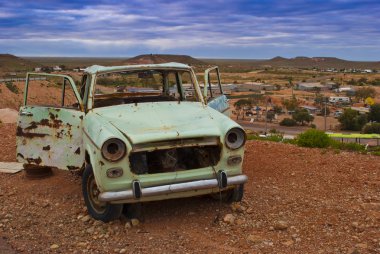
(235, 138)
(113, 149)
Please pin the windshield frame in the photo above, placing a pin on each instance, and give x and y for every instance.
(194, 81)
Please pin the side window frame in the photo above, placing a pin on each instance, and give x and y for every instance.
(65, 79)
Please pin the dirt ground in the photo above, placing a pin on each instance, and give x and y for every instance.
(297, 200)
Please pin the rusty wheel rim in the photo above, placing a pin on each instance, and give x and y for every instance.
(93, 193)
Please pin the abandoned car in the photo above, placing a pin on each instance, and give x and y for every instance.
(139, 133)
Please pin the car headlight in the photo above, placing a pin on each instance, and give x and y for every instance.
(113, 149)
(235, 138)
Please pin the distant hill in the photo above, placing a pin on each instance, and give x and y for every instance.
(163, 58)
(319, 62)
(11, 63)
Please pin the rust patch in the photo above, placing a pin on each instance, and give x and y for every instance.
(20, 155)
(73, 167)
(46, 148)
(21, 133)
(33, 125)
(35, 161)
(77, 151)
(81, 117)
(54, 124)
(101, 163)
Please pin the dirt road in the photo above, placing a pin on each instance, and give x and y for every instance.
(297, 200)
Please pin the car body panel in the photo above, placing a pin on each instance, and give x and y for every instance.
(50, 136)
(76, 137)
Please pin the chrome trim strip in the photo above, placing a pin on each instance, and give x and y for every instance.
(170, 188)
(166, 144)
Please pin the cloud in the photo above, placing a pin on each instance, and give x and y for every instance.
(244, 27)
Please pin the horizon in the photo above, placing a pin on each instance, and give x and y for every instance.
(345, 29)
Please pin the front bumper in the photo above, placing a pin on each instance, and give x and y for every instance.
(126, 195)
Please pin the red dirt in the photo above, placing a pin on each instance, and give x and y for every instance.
(329, 203)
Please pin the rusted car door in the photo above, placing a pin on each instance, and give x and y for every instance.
(213, 91)
(50, 135)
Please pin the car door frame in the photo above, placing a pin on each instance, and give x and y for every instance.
(219, 103)
(51, 136)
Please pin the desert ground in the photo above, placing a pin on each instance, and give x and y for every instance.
(297, 200)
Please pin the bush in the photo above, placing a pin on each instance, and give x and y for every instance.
(313, 138)
(288, 122)
(352, 120)
(11, 87)
(347, 146)
(302, 115)
(371, 128)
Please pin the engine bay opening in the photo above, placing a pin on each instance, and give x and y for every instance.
(176, 159)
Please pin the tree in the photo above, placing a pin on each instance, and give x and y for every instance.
(277, 109)
(374, 113)
(302, 115)
(352, 120)
(290, 104)
(365, 92)
(371, 128)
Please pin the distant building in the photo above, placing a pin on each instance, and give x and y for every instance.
(37, 69)
(311, 86)
(254, 86)
(334, 99)
(57, 68)
(310, 109)
(344, 89)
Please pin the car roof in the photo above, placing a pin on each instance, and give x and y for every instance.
(164, 66)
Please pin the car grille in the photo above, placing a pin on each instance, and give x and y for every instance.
(174, 159)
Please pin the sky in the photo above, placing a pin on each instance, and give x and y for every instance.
(346, 29)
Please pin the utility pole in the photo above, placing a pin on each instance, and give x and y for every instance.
(325, 114)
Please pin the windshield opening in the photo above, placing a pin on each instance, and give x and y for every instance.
(142, 86)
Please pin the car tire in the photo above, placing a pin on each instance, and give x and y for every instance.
(98, 210)
(232, 195)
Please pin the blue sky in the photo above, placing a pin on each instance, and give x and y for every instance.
(215, 29)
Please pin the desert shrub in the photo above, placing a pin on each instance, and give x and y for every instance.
(352, 120)
(288, 122)
(313, 126)
(302, 115)
(11, 87)
(275, 137)
(347, 146)
(370, 128)
(374, 113)
(313, 138)
(376, 153)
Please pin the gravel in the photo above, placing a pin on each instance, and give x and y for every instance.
(297, 200)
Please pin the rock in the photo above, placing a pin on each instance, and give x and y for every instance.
(280, 225)
(361, 245)
(128, 225)
(288, 243)
(135, 222)
(229, 218)
(355, 224)
(236, 207)
(90, 230)
(54, 246)
(249, 211)
(86, 218)
(255, 239)
(123, 251)
(239, 222)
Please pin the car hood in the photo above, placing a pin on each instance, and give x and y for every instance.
(156, 121)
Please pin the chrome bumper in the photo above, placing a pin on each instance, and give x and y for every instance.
(170, 188)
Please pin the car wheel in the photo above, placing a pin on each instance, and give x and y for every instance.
(231, 195)
(97, 209)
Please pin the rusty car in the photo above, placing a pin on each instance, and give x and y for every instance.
(138, 132)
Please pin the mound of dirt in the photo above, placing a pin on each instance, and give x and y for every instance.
(297, 200)
(8, 115)
(162, 58)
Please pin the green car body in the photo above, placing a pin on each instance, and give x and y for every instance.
(71, 138)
